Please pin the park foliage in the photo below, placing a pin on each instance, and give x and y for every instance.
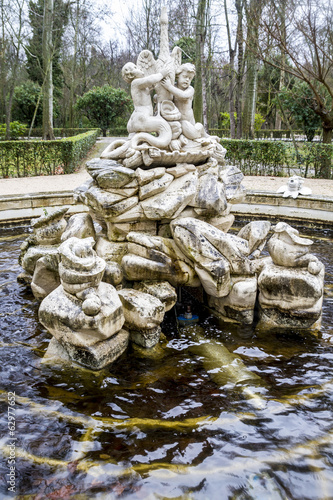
(24, 158)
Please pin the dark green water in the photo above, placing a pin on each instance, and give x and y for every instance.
(158, 427)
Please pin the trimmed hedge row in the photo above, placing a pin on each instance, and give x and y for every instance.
(61, 132)
(118, 132)
(30, 158)
(259, 134)
(279, 158)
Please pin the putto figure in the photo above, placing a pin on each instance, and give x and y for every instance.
(143, 119)
(183, 95)
(169, 135)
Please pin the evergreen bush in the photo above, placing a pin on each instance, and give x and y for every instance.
(278, 158)
(30, 158)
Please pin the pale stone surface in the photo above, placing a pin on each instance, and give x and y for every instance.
(109, 204)
(179, 193)
(147, 176)
(109, 174)
(239, 304)
(46, 276)
(50, 234)
(223, 223)
(63, 316)
(289, 288)
(34, 253)
(113, 274)
(80, 226)
(288, 249)
(255, 233)
(156, 186)
(181, 169)
(126, 192)
(93, 357)
(159, 289)
(210, 195)
(294, 187)
(80, 267)
(206, 246)
(157, 258)
(134, 214)
(146, 338)
(141, 310)
(138, 268)
(111, 250)
(232, 178)
(118, 232)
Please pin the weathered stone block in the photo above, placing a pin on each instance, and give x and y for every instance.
(239, 304)
(162, 290)
(93, 357)
(146, 338)
(174, 199)
(62, 315)
(141, 310)
(46, 277)
(79, 226)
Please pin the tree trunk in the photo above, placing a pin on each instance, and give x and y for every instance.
(326, 162)
(47, 67)
(240, 67)
(204, 92)
(282, 14)
(252, 14)
(200, 41)
(251, 97)
(73, 75)
(232, 53)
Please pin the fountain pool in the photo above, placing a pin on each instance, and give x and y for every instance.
(155, 424)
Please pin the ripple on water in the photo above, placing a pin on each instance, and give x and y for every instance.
(160, 426)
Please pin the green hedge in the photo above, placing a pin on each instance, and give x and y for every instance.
(259, 134)
(61, 132)
(279, 158)
(117, 132)
(30, 158)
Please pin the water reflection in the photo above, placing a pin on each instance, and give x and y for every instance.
(158, 426)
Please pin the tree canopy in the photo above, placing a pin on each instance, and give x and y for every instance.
(103, 105)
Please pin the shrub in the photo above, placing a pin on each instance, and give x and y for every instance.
(17, 130)
(224, 121)
(62, 132)
(25, 102)
(104, 105)
(277, 158)
(29, 158)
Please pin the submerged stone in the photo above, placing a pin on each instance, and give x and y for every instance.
(146, 338)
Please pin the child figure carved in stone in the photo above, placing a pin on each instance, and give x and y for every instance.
(142, 122)
(183, 97)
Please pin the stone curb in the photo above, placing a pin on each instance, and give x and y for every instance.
(257, 203)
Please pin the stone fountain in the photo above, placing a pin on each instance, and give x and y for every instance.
(158, 218)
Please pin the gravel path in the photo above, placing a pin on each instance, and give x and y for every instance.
(320, 187)
(54, 183)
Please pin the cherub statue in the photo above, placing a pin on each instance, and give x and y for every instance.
(144, 77)
(183, 97)
(142, 122)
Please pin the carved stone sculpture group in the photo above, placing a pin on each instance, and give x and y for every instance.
(158, 217)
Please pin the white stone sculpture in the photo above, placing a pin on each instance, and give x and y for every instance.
(294, 187)
(179, 139)
(161, 201)
(84, 314)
